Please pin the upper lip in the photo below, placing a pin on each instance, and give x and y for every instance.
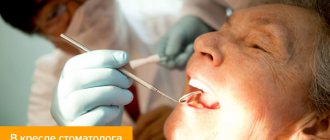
(200, 85)
(198, 82)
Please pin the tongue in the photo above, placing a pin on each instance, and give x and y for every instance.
(204, 100)
(209, 101)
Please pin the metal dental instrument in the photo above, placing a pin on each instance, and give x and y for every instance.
(143, 61)
(185, 98)
(127, 73)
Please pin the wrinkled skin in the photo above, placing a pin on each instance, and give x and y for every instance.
(258, 67)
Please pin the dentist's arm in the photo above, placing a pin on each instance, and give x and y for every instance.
(91, 91)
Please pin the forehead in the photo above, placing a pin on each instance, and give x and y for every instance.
(274, 14)
(266, 14)
(289, 23)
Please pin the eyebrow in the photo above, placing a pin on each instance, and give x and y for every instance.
(265, 21)
(284, 33)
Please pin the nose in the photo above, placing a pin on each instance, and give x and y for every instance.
(207, 46)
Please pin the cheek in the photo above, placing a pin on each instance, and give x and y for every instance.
(255, 95)
(246, 88)
(249, 81)
(61, 24)
(72, 6)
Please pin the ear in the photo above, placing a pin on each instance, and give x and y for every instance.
(318, 127)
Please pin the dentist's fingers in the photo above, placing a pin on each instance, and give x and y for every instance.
(174, 45)
(183, 58)
(82, 101)
(97, 59)
(99, 116)
(89, 78)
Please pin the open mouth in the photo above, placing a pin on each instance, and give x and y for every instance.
(201, 96)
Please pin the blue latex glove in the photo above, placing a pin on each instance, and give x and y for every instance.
(178, 43)
(91, 91)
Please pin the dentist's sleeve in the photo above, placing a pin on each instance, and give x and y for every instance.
(45, 78)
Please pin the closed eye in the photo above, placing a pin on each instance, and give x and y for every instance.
(256, 46)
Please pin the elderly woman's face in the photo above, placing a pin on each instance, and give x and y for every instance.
(258, 67)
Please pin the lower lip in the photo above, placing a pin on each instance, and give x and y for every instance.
(189, 110)
(198, 95)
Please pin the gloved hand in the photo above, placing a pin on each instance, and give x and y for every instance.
(91, 91)
(178, 43)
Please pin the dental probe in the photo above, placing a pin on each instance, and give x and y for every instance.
(127, 73)
(142, 61)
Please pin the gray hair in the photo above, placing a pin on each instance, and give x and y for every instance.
(320, 86)
(320, 89)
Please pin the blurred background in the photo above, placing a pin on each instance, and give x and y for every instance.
(19, 52)
(17, 62)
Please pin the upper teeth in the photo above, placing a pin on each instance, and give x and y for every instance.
(198, 84)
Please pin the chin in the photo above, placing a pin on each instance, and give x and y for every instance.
(189, 122)
(179, 127)
(195, 119)
(173, 124)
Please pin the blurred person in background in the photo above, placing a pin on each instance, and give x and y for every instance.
(98, 24)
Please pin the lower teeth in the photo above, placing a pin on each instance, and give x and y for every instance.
(195, 102)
